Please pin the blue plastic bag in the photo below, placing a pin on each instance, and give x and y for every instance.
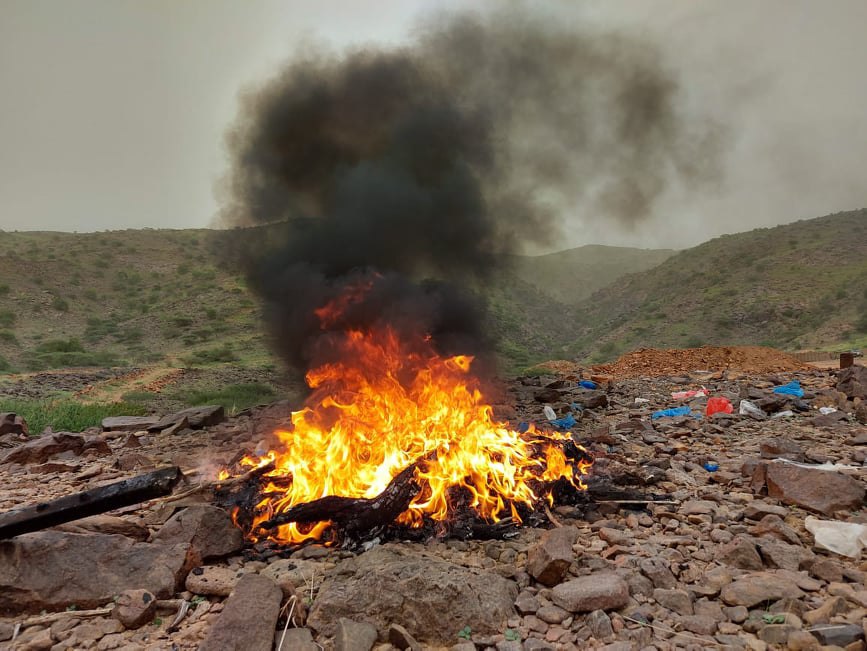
(793, 388)
(671, 413)
(587, 384)
(564, 423)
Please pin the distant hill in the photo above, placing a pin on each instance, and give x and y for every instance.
(134, 296)
(573, 275)
(796, 286)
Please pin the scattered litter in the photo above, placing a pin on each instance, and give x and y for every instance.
(588, 384)
(844, 538)
(747, 408)
(671, 413)
(793, 388)
(827, 410)
(711, 466)
(684, 395)
(642, 401)
(718, 405)
(575, 407)
(566, 422)
(550, 414)
(788, 413)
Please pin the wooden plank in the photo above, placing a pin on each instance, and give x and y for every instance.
(90, 502)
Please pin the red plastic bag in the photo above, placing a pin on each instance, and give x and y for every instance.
(717, 404)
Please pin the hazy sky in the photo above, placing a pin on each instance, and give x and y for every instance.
(113, 112)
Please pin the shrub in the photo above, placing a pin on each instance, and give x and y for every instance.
(217, 355)
(4, 364)
(8, 337)
(7, 318)
(60, 346)
(4, 289)
(60, 304)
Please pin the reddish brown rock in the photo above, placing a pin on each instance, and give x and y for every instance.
(249, 617)
(134, 608)
(11, 423)
(549, 561)
(41, 449)
(50, 570)
(208, 530)
(823, 491)
(604, 591)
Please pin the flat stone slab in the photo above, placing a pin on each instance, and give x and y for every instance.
(50, 570)
(127, 423)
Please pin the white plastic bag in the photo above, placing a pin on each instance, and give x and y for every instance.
(747, 408)
(844, 538)
(550, 414)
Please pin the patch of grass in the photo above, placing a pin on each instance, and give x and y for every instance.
(7, 318)
(234, 397)
(218, 355)
(60, 304)
(66, 415)
(7, 336)
(4, 289)
(4, 364)
(138, 396)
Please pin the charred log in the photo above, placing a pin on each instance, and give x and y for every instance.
(90, 502)
(355, 518)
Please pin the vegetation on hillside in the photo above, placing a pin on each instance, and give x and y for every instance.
(801, 285)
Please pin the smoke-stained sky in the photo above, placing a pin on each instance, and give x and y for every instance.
(114, 114)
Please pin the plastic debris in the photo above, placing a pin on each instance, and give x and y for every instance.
(711, 466)
(793, 388)
(566, 422)
(588, 384)
(747, 408)
(718, 405)
(523, 426)
(642, 401)
(671, 413)
(827, 410)
(684, 395)
(844, 538)
(788, 413)
(550, 414)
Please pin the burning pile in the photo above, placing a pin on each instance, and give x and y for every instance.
(388, 188)
(385, 406)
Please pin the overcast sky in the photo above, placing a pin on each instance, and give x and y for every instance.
(113, 113)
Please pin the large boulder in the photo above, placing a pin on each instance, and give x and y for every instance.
(432, 599)
(209, 531)
(51, 570)
(823, 491)
(853, 382)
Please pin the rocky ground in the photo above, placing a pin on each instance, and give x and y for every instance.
(724, 561)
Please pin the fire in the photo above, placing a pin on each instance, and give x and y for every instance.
(385, 405)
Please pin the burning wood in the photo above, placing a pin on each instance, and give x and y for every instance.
(349, 460)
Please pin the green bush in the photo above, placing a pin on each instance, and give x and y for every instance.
(60, 304)
(98, 328)
(7, 318)
(4, 289)
(217, 355)
(4, 364)
(66, 415)
(7, 336)
(60, 346)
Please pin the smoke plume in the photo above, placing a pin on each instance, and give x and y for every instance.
(410, 171)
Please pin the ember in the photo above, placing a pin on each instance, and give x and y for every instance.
(387, 404)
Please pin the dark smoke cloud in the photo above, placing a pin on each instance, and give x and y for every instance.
(430, 161)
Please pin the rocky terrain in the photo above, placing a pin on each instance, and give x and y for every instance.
(719, 548)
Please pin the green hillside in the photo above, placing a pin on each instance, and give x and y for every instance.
(573, 275)
(122, 297)
(796, 286)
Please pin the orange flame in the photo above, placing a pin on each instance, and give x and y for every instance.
(383, 406)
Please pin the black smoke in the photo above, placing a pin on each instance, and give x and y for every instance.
(415, 169)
